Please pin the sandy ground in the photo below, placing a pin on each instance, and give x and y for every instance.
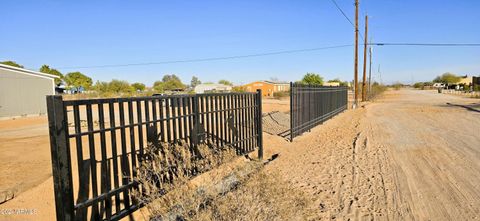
(408, 156)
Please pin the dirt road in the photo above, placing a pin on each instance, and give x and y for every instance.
(408, 156)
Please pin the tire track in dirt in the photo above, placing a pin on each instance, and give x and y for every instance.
(341, 168)
(389, 161)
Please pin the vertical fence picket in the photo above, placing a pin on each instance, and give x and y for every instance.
(168, 119)
(124, 157)
(221, 118)
(216, 118)
(147, 119)
(229, 119)
(140, 126)
(116, 183)
(93, 161)
(105, 176)
(131, 130)
(176, 131)
(161, 116)
(259, 122)
(185, 117)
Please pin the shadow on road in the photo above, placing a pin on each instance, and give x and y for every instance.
(475, 107)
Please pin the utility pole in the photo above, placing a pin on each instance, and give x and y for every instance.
(356, 56)
(370, 69)
(364, 83)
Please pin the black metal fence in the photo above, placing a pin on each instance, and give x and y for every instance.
(312, 105)
(104, 139)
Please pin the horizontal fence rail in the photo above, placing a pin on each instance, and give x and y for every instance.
(97, 144)
(312, 105)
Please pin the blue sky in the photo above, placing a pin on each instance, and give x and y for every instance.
(89, 33)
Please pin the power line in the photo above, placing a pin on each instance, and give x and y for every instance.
(210, 59)
(428, 44)
(345, 15)
(273, 53)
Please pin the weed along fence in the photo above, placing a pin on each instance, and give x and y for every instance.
(98, 144)
(312, 105)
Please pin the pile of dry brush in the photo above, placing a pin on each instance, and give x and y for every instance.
(240, 190)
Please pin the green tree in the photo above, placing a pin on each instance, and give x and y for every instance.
(169, 82)
(77, 80)
(194, 82)
(118, 86)
(101, 87)
(447, 78)
(47, 70)
(225, 82)
(12, 63)
(170, 77)
(158, 86)
(138, 86)
(312, 79)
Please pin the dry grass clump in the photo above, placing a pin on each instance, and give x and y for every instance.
(377, 90)
(261, 197)
(165, 165)
(246, 193)
(239, 190)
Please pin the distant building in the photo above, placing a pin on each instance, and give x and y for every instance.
(23, 92)
(465, 80)
(331, 84)
(212, 88)
(268, 87)
(476, 81)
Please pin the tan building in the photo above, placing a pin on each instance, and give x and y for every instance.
(268, 87)
(331, 84)
(465, 80)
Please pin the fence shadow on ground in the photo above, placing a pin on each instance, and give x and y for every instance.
(277, 123)
(475, 107)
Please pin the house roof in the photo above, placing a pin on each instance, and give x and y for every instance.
(271, 82)
(26, 71)
(277, 82)
(213, 85)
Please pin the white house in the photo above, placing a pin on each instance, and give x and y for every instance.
(212, 88)
(23, 92)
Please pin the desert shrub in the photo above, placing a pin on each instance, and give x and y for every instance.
(397, 86)
(239, 89)
(422, 85)
(165, 165)
(281, 94)
(376, 90)
(239, 190)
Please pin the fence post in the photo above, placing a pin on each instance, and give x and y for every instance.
(196, 121)
(259, 129)
(61, 164)
(291, 111)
